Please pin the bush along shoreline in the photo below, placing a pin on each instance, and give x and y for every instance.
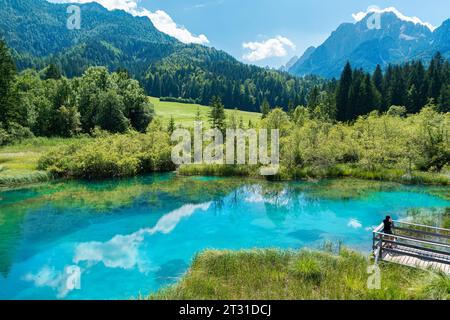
(393, 146)
(334, 132)
(112, 156)
(409, 149)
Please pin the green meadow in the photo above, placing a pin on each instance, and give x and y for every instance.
(184, 113)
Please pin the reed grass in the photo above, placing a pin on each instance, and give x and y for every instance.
(333, 172)
(296, 275)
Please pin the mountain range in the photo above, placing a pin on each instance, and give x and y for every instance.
(394, 41)
(37, 33)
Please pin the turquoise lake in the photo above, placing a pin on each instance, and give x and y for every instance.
(118, 239)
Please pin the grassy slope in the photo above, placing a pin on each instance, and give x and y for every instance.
(184, 113)
(277, 274)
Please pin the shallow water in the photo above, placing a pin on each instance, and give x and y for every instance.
(117, 239)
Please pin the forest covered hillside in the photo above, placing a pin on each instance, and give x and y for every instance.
(36, 31)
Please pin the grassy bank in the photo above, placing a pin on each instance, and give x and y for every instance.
(185, 113)
(276, 274)
(98, 157)
(337, 171)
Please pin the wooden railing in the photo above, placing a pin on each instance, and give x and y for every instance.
(414, 240)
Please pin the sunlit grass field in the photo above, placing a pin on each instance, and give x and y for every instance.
(184, 114)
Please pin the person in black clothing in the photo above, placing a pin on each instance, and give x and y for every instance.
(388, 225)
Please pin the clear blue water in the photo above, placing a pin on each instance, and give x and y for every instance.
(75, 242)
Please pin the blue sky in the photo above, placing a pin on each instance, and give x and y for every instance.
(287, 27)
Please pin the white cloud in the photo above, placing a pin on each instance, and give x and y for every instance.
(275, 47)
(62, 282)
(361, 15)
(257, 196)
(160, 19)
(122, 251)
(164, 23)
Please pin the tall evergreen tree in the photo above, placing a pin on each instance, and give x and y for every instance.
(435, 76)
(417, 88)
(342, 94)
(7, 94)
(265, 108)
(396, 92)
(171, 126)
(444, 99)
(52, 72)
(217, 115)
(314, 97)
(355, 105)
(377, 79)
(371, 96)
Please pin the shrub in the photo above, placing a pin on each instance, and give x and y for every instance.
(110, 156)
(14, 133)
(179, 100)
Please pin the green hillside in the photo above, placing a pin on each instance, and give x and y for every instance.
(36, 32)
(185, 114)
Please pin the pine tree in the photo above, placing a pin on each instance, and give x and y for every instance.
(413, 100)
(314, 98)
(7, 95)
(171, 126)
(52, 72)
(355, 103)
(342, 94)
(417, 88)
(444, 99)
(377, 79)
(265, 108)
(397, 88)
(370, 99)
(434, 76)
(217, 115)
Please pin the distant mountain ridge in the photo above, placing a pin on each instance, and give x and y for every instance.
(396, 41)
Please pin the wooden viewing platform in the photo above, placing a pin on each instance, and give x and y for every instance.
(414, 245)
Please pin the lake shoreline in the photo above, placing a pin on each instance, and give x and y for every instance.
(417, 178)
